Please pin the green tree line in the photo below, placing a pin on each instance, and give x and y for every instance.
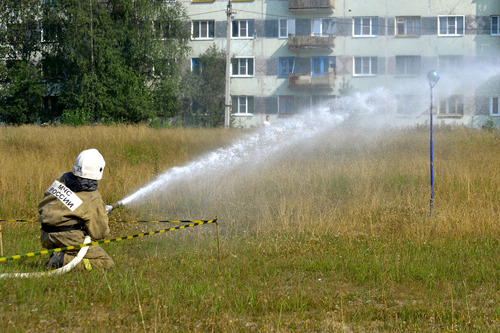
(203, 90)
(81, 61)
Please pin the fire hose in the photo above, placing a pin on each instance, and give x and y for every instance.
(68, 267)
(65, 269)
(83, 248)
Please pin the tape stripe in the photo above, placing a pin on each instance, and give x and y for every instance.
(19, 220)
(125, 221)
(104, 241)
(160, 221)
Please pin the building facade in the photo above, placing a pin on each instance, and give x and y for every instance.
(292, 56)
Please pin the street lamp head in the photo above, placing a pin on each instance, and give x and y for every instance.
(433, 77)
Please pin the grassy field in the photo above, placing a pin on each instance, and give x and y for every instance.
(330, 235)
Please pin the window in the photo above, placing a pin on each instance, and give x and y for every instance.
(196, 66)
(203, 29)
(495, 25)
(243, 104)
(49, 32)
(407, 65)
(317, 27)
(287, 66)
(16, 33)
(451, 25)
(51, 68)
(452, 106)
(285, 105)
(485, 61)
(323, 102)
(242, 66)
(51, 103)
(161, 66)
(243, 29)
(166, 30)
(11, 64)
(494, 106)
(450, 64)
(365, 26)
(365, 66)
(46, 36)
(286, 27)
(322, 65)
(407, 26)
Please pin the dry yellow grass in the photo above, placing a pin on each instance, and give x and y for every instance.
(345, 182)
(282, 268)
(353, 183)
(32, 156)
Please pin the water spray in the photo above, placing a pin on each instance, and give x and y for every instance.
(249, 150)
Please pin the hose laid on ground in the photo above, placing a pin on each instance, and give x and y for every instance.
(72, 264)
(65, 269)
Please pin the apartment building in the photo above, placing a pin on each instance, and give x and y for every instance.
(292, 56)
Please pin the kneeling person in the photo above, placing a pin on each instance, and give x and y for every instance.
(73, 208)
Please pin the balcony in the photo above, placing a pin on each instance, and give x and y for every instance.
(296, 42)
(307, 81)
(311, 5)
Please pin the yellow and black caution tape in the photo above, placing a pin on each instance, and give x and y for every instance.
(160, 221)
(124, 221)
(105, 241)
(19, 220)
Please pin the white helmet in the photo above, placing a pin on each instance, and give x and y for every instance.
(89, 164)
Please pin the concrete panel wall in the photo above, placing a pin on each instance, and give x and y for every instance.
(477, 45)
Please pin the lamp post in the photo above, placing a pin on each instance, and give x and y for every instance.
(433, 77)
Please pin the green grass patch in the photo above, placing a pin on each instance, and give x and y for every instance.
(175, 282)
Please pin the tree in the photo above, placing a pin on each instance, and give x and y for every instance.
(21, 88)
(22, 94)
(116, 64)
(91, 60)
(204, 89)
(166, 51)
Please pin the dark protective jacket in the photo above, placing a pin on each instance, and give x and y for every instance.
(67, 216)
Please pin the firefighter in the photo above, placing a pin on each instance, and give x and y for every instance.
(72, 208)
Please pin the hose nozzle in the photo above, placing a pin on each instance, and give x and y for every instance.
(117, 204)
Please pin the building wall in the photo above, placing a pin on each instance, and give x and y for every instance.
(456, 57)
